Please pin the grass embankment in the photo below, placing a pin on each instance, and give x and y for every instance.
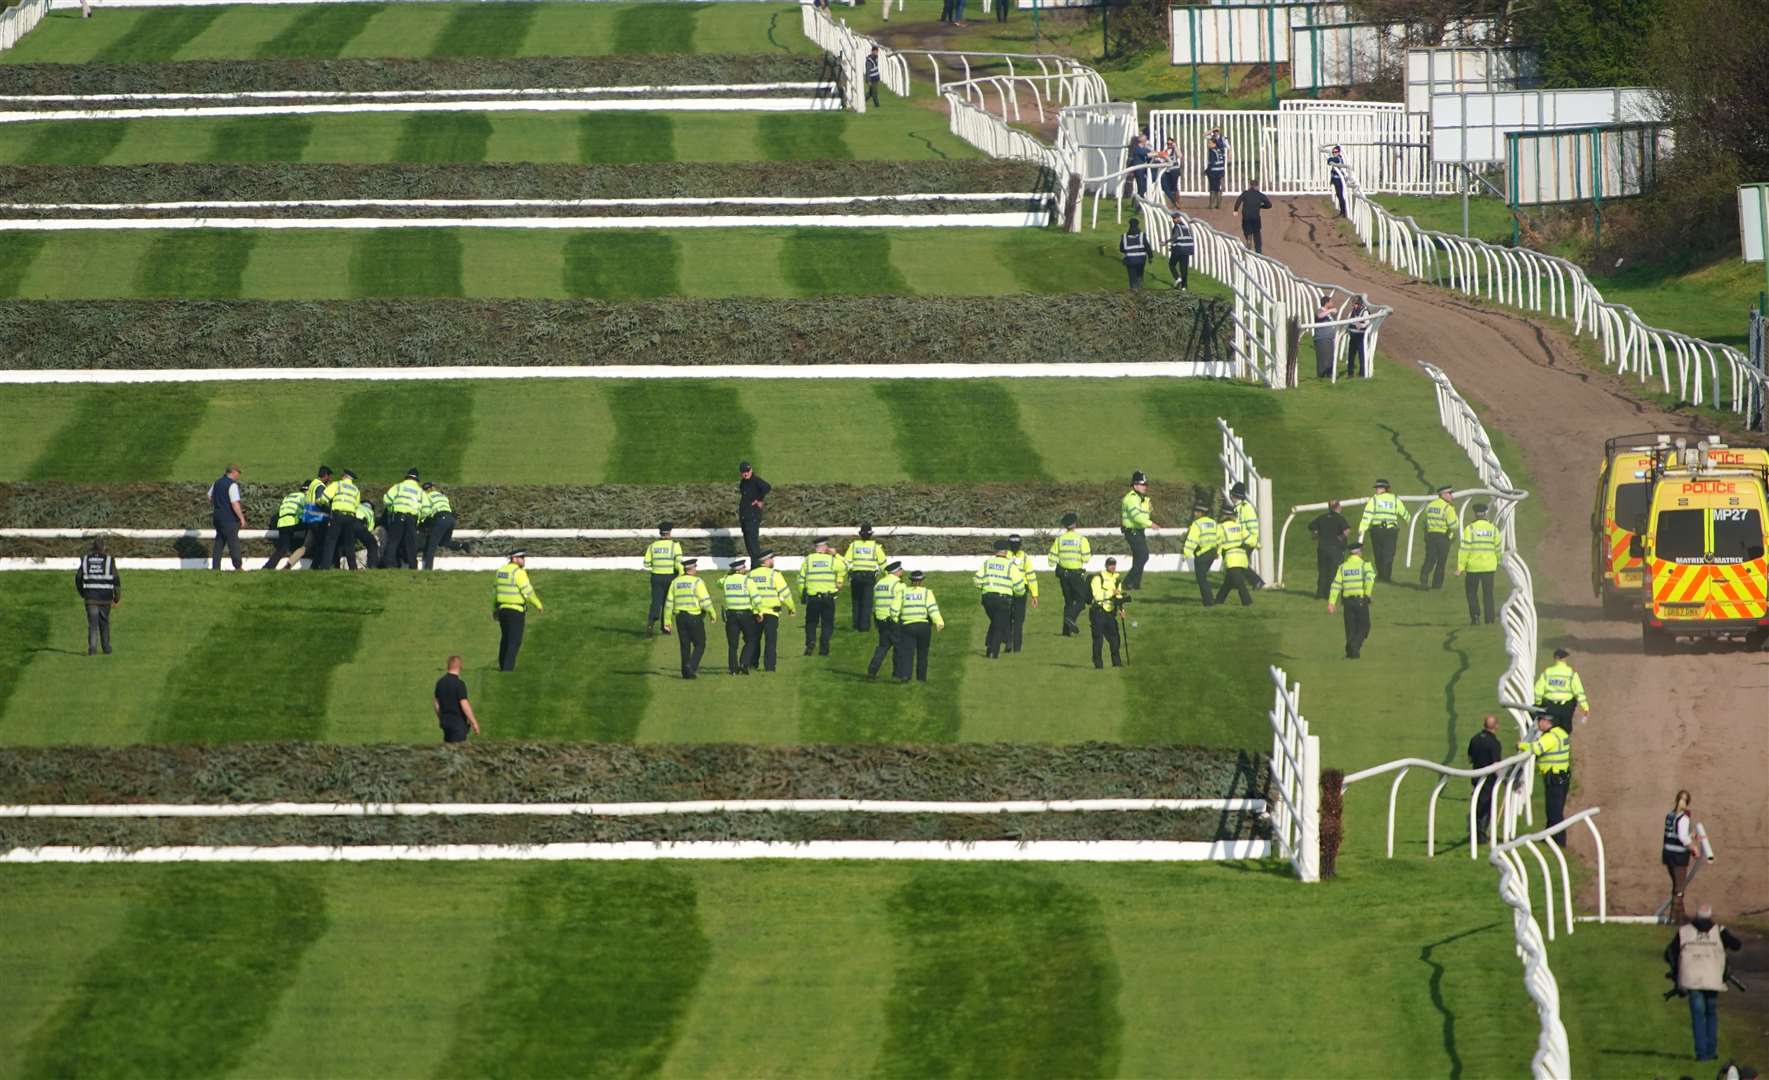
(396, 30)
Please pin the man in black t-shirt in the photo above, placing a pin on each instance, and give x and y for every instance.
(453, 711)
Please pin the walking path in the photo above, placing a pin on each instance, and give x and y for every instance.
(1696, 720)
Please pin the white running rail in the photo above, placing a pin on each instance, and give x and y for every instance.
(1461, 496)
(1704, 371)
(19, 20)
(1238, 468)
(627, 809)
(1296, 780)
(850, 51)
(1503, 806)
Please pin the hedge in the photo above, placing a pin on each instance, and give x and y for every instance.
(261, 181)
(619, 772)
(466, 73)
(1077, 327)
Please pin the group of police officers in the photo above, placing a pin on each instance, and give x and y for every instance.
(330, 516)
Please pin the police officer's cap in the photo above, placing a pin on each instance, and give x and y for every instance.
(1561, 654)
(665, 526)
(1111, 562)
(1137, 477)
(1014, 540)
(1200, 508)
(765, 556)
(690, 561)
(1445, 487)
(916, 575)
(519, 553)
(738, 564)
(1480, 508)
(1239, 490)
(1002, 545)
(1354, 545)
(1381, 483)
(1070, 520)
(428, 484)
(348, 475)
(822, 541)
(411, 474)
(324, 470)
(743, 466)
(866, 528)
(893, 566)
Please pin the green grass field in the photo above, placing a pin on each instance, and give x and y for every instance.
(399, 30)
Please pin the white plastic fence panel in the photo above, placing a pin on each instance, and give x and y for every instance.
(1286, 148)
(1467, 69)
(16, 22)
(1346, 54)
(1591, 164)
(1753, 214)
(1099, 138)
(1472, 127)
(1243, 33)
(1296, 780)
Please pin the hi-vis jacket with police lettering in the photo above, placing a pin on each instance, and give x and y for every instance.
(1558, 682)
(511, 590)
(1070, 551)
(687, 596)
(664, 556)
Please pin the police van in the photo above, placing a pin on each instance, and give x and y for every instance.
(1624, 493)
(1703, 545)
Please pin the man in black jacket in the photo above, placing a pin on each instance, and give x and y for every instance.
(1249, 203)
(97, 582)
(1484, 750)
(1329, 531)
(751, 491)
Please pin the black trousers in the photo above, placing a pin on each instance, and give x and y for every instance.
(1478, 586)
(946, 7)
(98, 626)
(362, 533)
(1075, 599)
(1354, 356)
(1382, 543)
(287, 540)
(1240, 579)
(1562, 712)
(660, 590)
(510, 622)
(1201, 564)
(1339, 194)
(340, 542)
(1254, 236)
(1016, 622)
(1554, 790)
(227, 535)
(1139, 556)
(819, 622)
(691, 638)
(740, 630)
(888, 639)
(752, 535)
(860, 582)
(1356, 610)
(872, 91)
(999, 608)
(763, 646)
(1001, 7)
(1214, 179)
(914, 641)
(1135, 266)
(1326, 568)
(1179, 264)
(402, 542)
(1437, 559)
(1105, 632)
(440, 535)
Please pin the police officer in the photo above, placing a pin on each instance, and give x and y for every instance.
(1069, 553)
(403, 502)
(101, 587)
(918, 615)
(1216, 152)
(510, 599)
(1478, 557)
(822, 574)
(768, 594)
(1107, 593)
(1248, 516)
(740, 617)
(1202, 540)
(685, 611)
(999, 579)
(663, 561)
(228, 518)
(1552, 749)
(1440, 529)
(1134, 518)
(864, 557)
(1236, 574)
(341, 498)
(1330, 532)
(436, 516)
(1134, 248)
(316, 486)
(1336, 171)
(886, 599)
(1354, 586)
(289, 530)
(363, 532)
(1181, 242)
(751, 491)
(1384, 514)
(1559, 690)
(1016, 613)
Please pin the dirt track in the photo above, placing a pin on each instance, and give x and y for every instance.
(1694, 720)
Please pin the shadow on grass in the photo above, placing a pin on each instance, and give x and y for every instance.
(1437, 1001)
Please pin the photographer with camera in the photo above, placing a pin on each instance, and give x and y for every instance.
(1108, 608)
(1697, 956)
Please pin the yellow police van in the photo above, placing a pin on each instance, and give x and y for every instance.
(1703, 544)
(1624, 493)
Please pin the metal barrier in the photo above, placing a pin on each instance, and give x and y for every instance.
(19, 20)
(1532, 281)
(1296, 779)
(1237, 467)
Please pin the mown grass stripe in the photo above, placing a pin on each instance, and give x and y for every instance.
(261, 138)
(1001, 971)
(17, 251)
(597, 966)
(443, 137)
(485, 30)
(960, 432)
(196, 264)
(790, 137)
(836, 704)
(621, 266)
(406, 262)
(398, 426)
(203, 959)
(678, 431)
(24, 632)
(118, 434)
(656, 28)
(1213, 711)
(843, 262)
(619, 138)
(85, 142)
(286, 675)
(159, 36)
(320, 33)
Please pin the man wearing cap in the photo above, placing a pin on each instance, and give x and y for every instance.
(663, 561)
(1440, 529)
(1202, 541)
(362, 531)
(1697, 955)
(1336, 171)
(402, 503)
(1248, 516)
(1016, 612)
(511, 597)
(341, 497)
(1559, 691)
(768, 594)
(751, 491)
(289, 530)
(999, 579)
(1236, 573)
(886, 598)
(1330, 532)
(1384, 514)
(1134, 519)
(864, 558)
(436, 517)
(918, 616)
(685, 611)
(1107, 594)
(1353, 587)
(822, 574)
(1478, 557)
(1069, 553)
(740, 617)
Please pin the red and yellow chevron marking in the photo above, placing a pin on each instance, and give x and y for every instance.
(1730, 591)
(1620, 562)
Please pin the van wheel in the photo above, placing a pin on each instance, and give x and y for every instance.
(1655, 642)
(1758, 640)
